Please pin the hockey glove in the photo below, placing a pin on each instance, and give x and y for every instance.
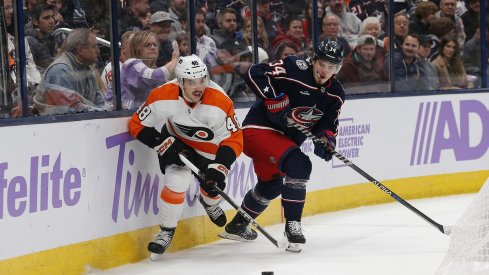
(277, 109)
(214, 176)
(168, 150)
(323, 149)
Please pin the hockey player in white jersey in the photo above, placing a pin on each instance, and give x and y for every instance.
(194, 116)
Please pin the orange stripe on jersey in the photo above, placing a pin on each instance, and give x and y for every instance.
(172, 197)
(168, 91)
(216, 98)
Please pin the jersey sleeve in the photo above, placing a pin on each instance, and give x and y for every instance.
(146, 123)
(229, 128)
(261, 78)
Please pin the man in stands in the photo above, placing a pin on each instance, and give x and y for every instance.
(70, 82)
(361, 68)
(39, 34)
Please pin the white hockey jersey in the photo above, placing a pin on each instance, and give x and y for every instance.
(204, 126)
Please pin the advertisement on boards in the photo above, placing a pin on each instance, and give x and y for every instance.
(66, 183)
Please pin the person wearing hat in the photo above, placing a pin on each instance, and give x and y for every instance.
(361, 67)
(160, 24)
(430, 76)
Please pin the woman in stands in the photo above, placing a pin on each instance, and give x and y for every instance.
(139, 74)
(449, 66)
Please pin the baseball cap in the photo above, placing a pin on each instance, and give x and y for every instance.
(160, 16)
(425, 39)
(366, 39)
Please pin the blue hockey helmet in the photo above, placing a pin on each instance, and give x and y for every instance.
(330, 50)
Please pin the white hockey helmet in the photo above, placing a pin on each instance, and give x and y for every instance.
(262, 54)
(190, 67)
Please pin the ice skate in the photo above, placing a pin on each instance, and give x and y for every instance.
(215, 213)
(239, 230)
(161, 242)
(295, 236)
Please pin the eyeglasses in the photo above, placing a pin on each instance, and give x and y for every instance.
(151, 44)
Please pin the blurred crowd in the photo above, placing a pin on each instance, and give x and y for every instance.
(436, 46)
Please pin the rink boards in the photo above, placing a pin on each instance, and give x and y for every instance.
(83, 195)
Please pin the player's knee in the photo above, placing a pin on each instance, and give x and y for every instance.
(264, 192)
(297, 165)
(178, 179)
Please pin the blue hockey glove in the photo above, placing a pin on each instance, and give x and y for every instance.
(277, 109)
(214, 175)
(323, 149)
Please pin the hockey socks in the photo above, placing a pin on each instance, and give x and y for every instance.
(293, 199)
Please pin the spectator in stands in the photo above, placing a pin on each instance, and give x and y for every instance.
(406, 70)
(40, 37)
(307, 24)
(183, 43)
(371, 25)
(206, 47)
(29, 5)
(59, 21)
(471, 17)
(293, 32)
(285, 49)
(70, 83)
(440, 28)
(330, 28)
(429, 77)
(449, 65)
(33, 75)
(146, 20)
(139, 74)
(227, 27)
(129, 20)
(401, 29)
(178, 12)
(161, 26)
(447, 9)
(361, 68)
(472, 54)
(423, 15)
(349, 22)
(107, 72)
(263, 41)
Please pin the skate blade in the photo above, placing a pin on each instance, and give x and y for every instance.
(294, 247)
(226, 235)
(155, 257)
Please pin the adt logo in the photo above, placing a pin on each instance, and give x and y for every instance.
(440, 129)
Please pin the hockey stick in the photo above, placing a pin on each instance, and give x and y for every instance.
(443, 229)
(231, 202)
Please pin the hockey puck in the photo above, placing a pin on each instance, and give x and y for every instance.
(267, 273)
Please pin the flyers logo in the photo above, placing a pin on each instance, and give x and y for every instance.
(196, 132)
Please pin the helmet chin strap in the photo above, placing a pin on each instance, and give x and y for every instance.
(186, 97)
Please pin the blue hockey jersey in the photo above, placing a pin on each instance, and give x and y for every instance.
(315, 106)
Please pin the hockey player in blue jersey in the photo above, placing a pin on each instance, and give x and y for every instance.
(306, 92)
